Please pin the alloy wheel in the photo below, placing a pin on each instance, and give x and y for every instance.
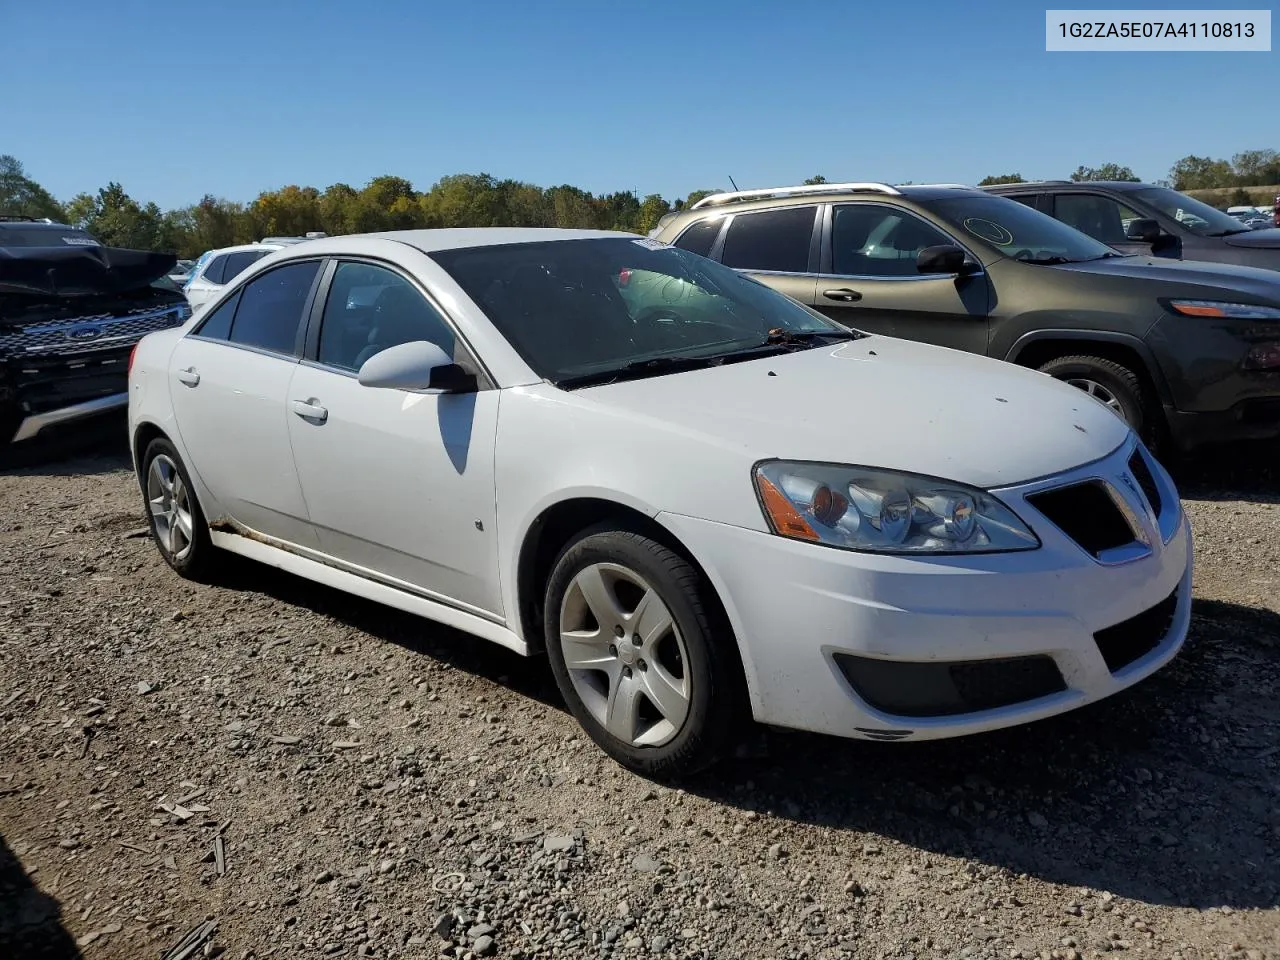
(624, 654)
(170, 504)
(1099, 393)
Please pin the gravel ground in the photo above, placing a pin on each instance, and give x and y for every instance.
(288, 771)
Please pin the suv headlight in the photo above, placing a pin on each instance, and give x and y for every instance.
(1219, 308)
(884, 511)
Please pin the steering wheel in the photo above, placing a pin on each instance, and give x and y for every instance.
(1023, 254)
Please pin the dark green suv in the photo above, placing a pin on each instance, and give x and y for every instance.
(1186, 352)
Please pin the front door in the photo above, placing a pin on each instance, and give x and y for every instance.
(399, 484)
(230, 377)
(870, 281)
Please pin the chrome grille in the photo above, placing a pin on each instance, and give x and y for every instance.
(98, 330)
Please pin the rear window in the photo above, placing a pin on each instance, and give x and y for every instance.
(775, 240)
(45, 236)
(701, 236)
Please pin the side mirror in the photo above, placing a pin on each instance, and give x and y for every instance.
(417, 365)
(944, 258)
(1143, 230)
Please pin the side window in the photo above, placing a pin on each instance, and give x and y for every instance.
(371, 308)
(1100, 217)
(776, 240)
(1027, 199)
(237, 263)
(270, 310)
(869, 240)
(217, 326)
(700, 237)
(214, 272)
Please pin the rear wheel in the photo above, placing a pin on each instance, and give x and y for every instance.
(639, 656)
(1116, 387)
(177, 524)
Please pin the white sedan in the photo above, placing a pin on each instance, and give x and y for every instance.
(740, 511)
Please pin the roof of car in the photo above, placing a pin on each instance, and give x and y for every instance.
(454, 238)
(1068, 184)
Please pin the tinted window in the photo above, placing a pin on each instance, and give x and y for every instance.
(1028, 198)
(214, 272)
(370, 309)
(577, 308)
(701, 236)
(237, 263)
(1015, 230)
(270, 310)
(877, 241)
(1100, 217)
(1196, 216)
(218, 324)
(774, 240)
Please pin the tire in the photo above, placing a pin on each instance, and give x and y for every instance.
(166, 485)
(1108, 382)
(693, 663)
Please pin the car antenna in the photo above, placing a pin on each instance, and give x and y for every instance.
(735, 186)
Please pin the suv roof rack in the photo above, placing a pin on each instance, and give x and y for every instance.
(22, 218)
(736, 196)
(1029, 183)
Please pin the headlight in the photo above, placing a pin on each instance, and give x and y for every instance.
(883, 511)
(1217, 308)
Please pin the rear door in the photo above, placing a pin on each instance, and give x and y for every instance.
(229, 381)
(869, 279)
(778, 247)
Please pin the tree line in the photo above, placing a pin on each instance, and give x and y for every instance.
(1228, 179)
(461, 200)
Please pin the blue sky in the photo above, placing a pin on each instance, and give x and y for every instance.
(234, 97)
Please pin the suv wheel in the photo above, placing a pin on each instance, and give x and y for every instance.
(633, 646)
(1111, 384)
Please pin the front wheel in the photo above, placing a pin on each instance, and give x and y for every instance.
(1115, 386)
(633, 642)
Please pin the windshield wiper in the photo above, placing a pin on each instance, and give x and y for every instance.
(1229, 233)
(639, 368)
(779, 335)
(1048, 261)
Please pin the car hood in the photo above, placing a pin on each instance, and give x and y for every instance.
(1258, 281)
(1267, 238)
(79, 271)
(883, 402)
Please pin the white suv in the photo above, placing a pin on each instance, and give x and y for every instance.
(703, 501)
(217, 268)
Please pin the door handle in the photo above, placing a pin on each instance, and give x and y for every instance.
(842, 293)
(310, 410)
(189, 376)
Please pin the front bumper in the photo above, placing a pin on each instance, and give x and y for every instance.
(34, 423)
(802, 613)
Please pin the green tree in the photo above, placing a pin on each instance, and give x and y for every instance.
(1001, 178)
(290, 211)
(652, 209)
(20, 196)
(1256, 168)
(1108, 171)
(1201, 173)
(814, 180)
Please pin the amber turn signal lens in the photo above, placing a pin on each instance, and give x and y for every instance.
(785, 518)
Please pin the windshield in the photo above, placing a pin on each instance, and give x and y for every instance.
(576, 309)
(1015, 230)
(1200, 218)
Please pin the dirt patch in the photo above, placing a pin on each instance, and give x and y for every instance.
(272, 768)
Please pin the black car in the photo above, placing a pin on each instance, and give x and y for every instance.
(71, 310)
(1149, 220)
